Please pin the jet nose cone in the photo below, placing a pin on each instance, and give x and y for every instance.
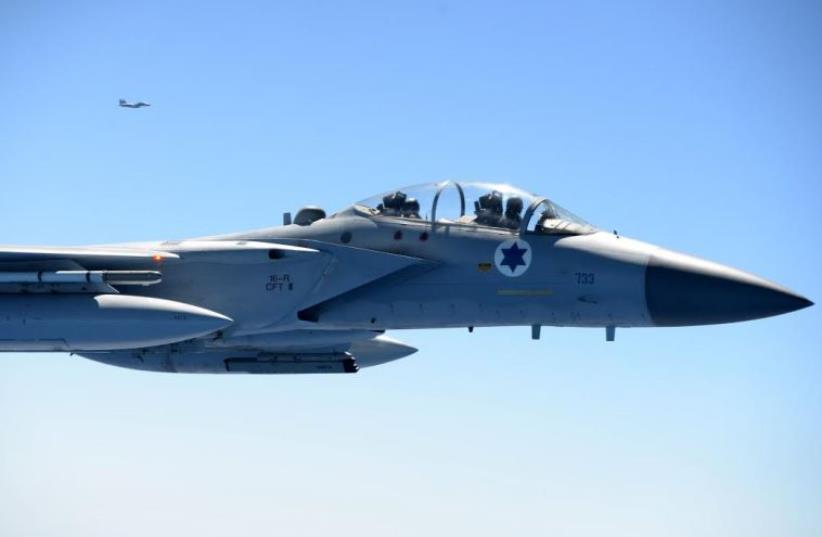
(681, 290)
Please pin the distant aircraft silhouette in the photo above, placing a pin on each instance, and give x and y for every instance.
(138, 104)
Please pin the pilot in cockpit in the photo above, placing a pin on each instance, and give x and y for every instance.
(513, 213)
(399, 204)
(411, 208)
(488, 211)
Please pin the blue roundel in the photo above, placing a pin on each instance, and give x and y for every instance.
(513, 257)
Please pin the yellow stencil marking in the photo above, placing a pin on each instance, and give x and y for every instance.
(525, 292)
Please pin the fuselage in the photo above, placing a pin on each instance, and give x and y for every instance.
(589, 280)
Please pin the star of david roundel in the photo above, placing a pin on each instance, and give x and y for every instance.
(513, 257)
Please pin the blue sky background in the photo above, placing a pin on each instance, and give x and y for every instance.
(694, 125)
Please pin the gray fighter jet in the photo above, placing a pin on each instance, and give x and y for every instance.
(317, 294)
(138, 104)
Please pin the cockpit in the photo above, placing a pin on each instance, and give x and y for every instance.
(489, 205)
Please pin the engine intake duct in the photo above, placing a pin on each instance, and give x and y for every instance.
(268, 364)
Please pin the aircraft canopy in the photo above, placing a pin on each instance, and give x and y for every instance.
(462, 203)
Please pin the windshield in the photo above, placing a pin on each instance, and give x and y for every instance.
(492, 205)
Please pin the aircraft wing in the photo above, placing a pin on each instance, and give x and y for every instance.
(77, 269)
(260, 307)
(142, 254)
(101, 253)
(65, 264)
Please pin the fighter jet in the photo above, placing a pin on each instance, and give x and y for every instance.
(317, 294)
(138, 104)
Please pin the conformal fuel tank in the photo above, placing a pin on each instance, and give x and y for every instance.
(73, 322)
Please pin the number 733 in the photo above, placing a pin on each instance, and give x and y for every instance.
(585, 278)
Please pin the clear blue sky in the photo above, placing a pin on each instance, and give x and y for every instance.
(694, 125)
